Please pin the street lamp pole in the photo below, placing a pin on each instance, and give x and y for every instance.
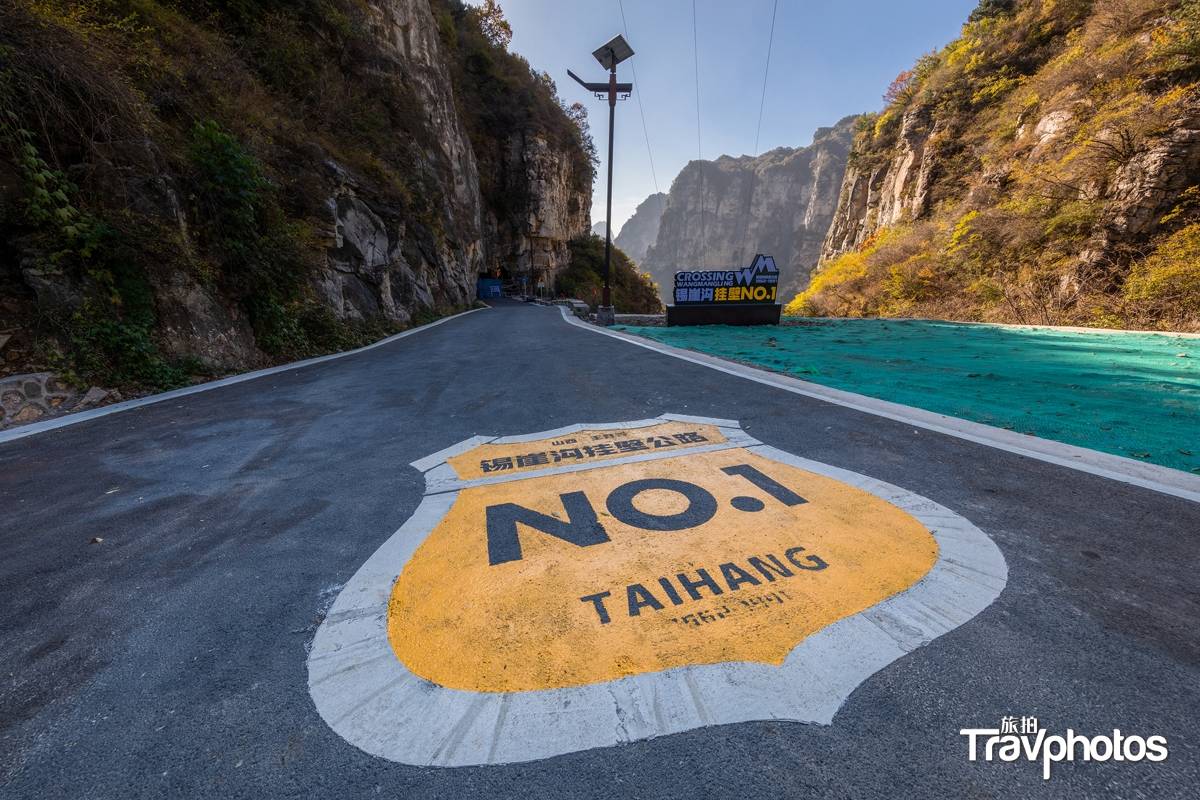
(605, 312)
(609, 55)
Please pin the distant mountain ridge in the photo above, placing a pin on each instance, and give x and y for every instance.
(720, 213)
(640, 231)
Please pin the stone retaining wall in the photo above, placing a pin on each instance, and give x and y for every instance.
(38, 395)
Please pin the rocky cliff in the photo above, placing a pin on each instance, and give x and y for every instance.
(876, 195)
(640, 231)
(553, 191)
(200, 187)
(720, 213)
(373, 266)
(1042, 168)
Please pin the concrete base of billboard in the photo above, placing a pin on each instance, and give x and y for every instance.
(725, 314)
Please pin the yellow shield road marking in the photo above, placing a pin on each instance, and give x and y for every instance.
(748, 583)
(606, 583)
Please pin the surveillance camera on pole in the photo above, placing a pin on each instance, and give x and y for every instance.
(609, 55)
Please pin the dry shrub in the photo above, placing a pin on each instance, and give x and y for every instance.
(1166, 284)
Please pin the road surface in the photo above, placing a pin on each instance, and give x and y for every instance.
(172, 658)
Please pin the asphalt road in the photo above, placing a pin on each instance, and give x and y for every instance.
(170, 659)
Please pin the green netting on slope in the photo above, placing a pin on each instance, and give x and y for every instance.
(1132, 394)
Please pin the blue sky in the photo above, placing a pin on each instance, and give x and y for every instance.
(829, 59)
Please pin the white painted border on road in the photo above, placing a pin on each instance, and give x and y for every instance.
(83, 416)
(367, 695)
(1126, 470)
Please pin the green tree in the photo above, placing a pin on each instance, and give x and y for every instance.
(632, 292)
(493, 24)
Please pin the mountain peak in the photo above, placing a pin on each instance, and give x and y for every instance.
(720, 213)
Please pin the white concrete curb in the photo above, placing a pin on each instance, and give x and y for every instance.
(1126, 470)
(83, 416)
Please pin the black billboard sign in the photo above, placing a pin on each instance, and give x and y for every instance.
(757, 283)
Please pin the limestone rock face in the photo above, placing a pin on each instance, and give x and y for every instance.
(408, 34)
(197, 322)
(875, 196)
(1148, 186)
(640, 231)
(552, 206)
(720, 213)
(376, 263)
(1051, 176)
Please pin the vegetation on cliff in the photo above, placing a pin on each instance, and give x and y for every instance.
(632, 292)
(500, 96)
(172, 165)
(1055, 153)
(113, 110)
